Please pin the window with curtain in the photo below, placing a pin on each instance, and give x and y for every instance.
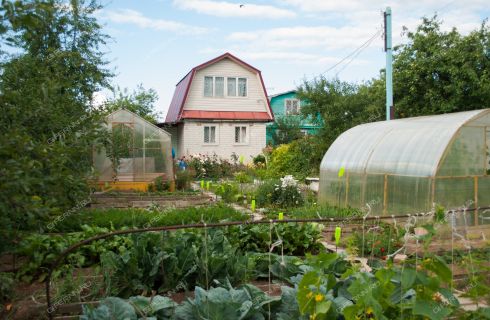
(208, 86)
(241, 134)
(242, 87)
(209, 134)
(292, 106)
(231, 84)
(219, 86)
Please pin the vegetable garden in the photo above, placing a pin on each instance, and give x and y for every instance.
(306, 262)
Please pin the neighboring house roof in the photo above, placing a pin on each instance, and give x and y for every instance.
(176, 109)
(280, 94)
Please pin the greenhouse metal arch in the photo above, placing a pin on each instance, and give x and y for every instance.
(410, 165)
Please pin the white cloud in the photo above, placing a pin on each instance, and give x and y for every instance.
(305, 37)
(232, 9)
(138, 19)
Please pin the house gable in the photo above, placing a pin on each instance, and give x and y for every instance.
(190, 102)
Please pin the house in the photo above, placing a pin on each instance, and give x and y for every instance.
(286, 104)
(221, 107)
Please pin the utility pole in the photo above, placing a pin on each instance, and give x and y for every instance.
(390, 112)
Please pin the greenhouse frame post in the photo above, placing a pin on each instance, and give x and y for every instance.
(389, 64)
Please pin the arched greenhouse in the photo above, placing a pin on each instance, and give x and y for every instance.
(140, 152)
(408, 165)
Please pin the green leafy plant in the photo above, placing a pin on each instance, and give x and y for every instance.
(282, 193)
(159, 184)
(297, 239)
(137, 307)
(246, 302)
(7, 282)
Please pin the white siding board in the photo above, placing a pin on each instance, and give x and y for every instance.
(255, 100)
(192, 134)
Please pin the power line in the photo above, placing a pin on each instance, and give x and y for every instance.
(355, 56)
(361, 47)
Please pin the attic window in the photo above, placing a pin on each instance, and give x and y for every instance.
(208, 86)
(292, 106)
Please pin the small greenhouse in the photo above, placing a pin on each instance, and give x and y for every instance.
(139, 153)
(407, 165)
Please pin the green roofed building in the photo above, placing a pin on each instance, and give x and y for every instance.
(286, 104)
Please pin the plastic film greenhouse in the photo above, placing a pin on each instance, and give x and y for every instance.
(409, 165)
(140, 153)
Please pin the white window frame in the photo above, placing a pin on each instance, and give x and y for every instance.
(236, 87)
(225, 89)
(216, 134)
(247, 134)
(204, 87)
(246, 87)
(298, 109)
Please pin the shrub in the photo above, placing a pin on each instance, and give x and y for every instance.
(159, 185)
(283, 193)
(183, 179)
(297, 158)
(6, 287)
(229, 192)
(212, 167)
(259, 160)
(242, 177)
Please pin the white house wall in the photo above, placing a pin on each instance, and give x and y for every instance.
(193, 135)
(254, 101)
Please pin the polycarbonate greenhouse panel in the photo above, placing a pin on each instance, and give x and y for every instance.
(411, 146)
(460, 159)
(144, 150)
(408, 165)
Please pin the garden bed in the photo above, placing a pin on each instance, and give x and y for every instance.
(145, 200)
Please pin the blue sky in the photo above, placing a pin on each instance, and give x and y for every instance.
(156, 42)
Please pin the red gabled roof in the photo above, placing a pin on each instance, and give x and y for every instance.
(175, 110)
(226, 115)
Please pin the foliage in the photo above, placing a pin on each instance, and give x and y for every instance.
(140, 101)
(286, 129)
(340, 106)
(434, 72)
(43, 249)
(242, 177)
(141, 218)
(379, 240)
(229, 192)
(299, 158)
(296, 239)
(54, 67)
(210, 166)
(137, 307)
(246, 302)
(329, 289)
(321, 211)
(259, 160)
(325, 287)
(183, 179)
(159, 184)
(283, 193)
(6, 287)
(438, 71)
(178, 260)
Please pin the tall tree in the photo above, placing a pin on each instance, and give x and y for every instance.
(140, 101)
(438, 72)
(286, 129)
(339, 105)
(48, 124)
